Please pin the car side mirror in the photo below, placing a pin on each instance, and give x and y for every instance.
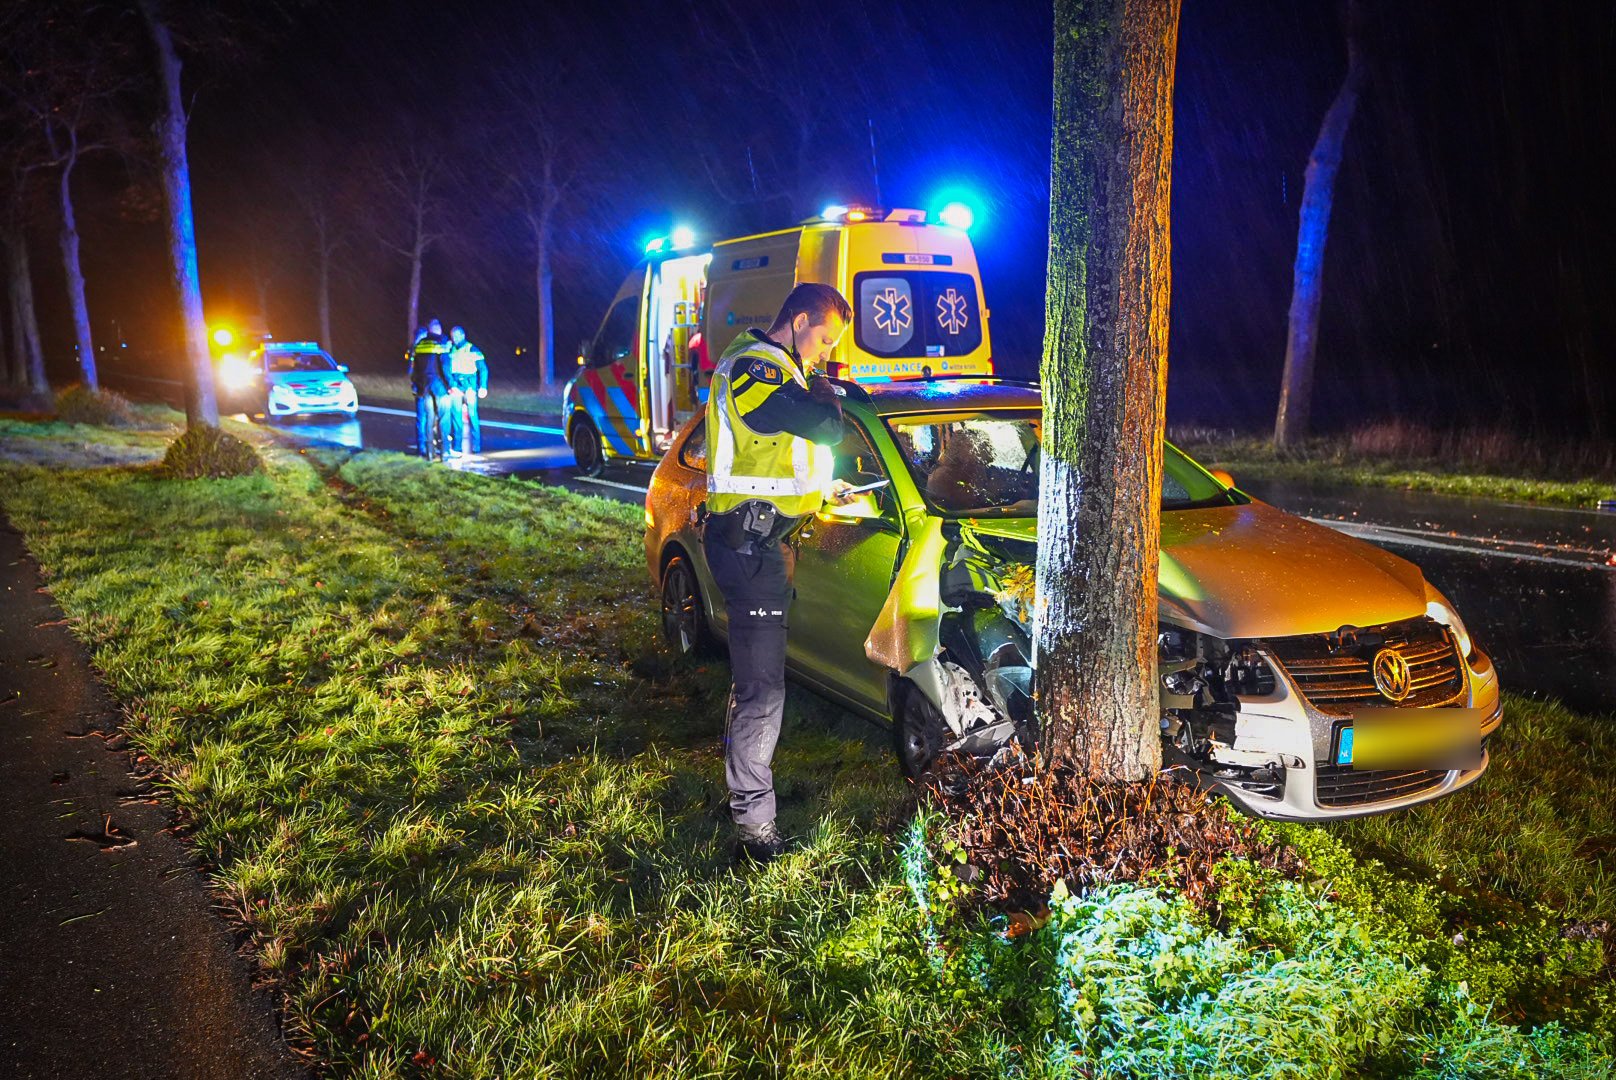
(1223, 477)
(342, 368)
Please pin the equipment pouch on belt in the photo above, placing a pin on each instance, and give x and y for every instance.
(751, 524)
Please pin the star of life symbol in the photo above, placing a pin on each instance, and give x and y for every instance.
(891, 311)
(951, 314)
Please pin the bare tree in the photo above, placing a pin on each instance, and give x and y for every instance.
(545, 159)
(1104, 379)
(1295, 414)
(201, 401)
(28, 355)
(411, 174)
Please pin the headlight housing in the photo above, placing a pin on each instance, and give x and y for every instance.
(235, 372)
(1439, 608)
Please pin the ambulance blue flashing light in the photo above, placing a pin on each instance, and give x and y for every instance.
(683, 237)
(957, 215)
(656, 245)
(833, 212)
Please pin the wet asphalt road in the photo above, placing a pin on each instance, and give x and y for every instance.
(1536, 585)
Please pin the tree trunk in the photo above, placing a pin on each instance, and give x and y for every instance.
(546, 285)
(1307, 285)
(30, 359)
(201, 403)
(74, 271)
(1104, 377)
(325, 301)
(414, 317)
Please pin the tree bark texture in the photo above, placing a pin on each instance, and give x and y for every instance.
(325, 300)
(414, 314)
(1295, 415)
(201, 402)
(30, 358)
(546, 286)
(73, 271)
(1104, 374)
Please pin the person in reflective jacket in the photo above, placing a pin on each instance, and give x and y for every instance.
(467, 376)
(771, 423)
(426, 381)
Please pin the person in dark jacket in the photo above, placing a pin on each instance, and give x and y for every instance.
(467, 375)
(431, 392)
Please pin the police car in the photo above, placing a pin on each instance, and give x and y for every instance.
(287, 378)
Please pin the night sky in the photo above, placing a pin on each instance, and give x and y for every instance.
(1468, 272)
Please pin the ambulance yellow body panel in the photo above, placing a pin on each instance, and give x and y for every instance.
(918, 311)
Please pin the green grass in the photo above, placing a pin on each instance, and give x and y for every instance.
(506, 395)
(1338, 461)
(417, 723)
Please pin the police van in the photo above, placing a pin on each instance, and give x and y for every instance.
(914, 286)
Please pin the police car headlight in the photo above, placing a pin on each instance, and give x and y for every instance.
(1438, 608)
(235, 372)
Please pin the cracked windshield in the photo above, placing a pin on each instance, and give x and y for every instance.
(980, 463)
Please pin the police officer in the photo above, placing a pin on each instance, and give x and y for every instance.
(468, 384)
(426, 382)
(771, 422)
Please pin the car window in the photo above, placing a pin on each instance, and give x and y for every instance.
(856, 460)
(299, 361)
(978, 463)
(615, 342)
(693, 451)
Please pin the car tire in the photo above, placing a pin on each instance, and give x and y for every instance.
(684, 617)
(586, 447)
(919, 732)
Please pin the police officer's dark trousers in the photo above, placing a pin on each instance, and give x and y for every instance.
(757, 592)
(426, 423)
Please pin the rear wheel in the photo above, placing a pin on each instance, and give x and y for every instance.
(919, 731)
(586, 448)
(684, 619)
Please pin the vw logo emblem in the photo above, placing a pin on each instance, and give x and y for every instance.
(1392, 678)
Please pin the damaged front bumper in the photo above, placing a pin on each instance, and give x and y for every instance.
(956, 628)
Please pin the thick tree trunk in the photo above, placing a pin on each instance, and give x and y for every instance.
(1104, 378)
(413, 319)
(30, 361)
(546, 285)
(74, 272)
(201, 403)
(1292, 422)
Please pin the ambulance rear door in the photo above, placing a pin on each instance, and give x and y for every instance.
(608, 387)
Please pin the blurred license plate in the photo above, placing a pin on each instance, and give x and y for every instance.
(1343, 747)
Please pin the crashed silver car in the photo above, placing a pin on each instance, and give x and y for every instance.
(1280, 640)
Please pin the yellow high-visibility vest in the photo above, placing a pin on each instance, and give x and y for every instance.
(782, 468)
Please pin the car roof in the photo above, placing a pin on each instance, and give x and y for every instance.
(946, 394)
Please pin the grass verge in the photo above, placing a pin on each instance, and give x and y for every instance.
(417, 723)
(1417, 465)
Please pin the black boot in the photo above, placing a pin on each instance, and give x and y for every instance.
(759, 843)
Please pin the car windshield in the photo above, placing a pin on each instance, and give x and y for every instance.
(299, 361)
(975, 464)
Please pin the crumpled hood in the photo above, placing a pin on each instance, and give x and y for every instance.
(1255, 571)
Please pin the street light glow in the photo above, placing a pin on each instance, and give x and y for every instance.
(223, 338)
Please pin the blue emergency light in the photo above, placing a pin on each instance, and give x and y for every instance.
(958, 216)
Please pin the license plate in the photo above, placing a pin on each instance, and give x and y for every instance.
(1343, 747)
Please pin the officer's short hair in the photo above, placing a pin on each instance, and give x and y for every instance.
(817, 301)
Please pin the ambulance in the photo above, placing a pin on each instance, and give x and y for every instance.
(914, 286)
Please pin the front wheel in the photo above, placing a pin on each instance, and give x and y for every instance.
(919, 731)
(586, 448)
(684, 619)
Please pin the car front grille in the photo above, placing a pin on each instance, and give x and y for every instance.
(1342, 785)
(1333, 671)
